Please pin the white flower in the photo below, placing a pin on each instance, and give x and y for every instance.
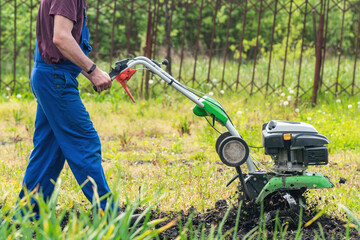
(151, 81)
(358, 103)
(214, 80)
(349, 106)
(297, 110)
(239, 112)
(338, 100)
(211, 93)
(289, 98)
(222, 91)
(291, 91)
(88, 94)
(7, 89)
(286, 103)
(319, 111)
(282, 94)
(18, 96)
(309, 118)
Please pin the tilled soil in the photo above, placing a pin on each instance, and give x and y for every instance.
(327, 226)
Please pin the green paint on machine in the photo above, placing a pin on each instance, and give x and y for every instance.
(309, 180)
(211, 108)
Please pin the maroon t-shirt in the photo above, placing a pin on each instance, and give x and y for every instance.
(71, 9)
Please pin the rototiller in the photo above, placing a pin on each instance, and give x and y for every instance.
(293, 146)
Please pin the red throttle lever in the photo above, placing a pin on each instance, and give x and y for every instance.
(123, 77)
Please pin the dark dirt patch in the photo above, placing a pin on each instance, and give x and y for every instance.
(342, 180)
(11, 140)
(332, 228)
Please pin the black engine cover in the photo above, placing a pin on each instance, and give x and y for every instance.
(301, 136)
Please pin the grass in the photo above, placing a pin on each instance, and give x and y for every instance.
(159, 144)
(75, 223)
(144, 144)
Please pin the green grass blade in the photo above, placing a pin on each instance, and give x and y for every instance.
(237, 220)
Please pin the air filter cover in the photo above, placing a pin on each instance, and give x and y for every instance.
(233, 151)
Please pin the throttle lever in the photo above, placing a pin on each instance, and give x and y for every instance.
(119, 67)
(123, 77)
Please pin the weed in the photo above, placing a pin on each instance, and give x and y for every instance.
(153, 132)
(184, 126)
(79, 224)
(177, 146)
(167, 102)
(18, 116)
(200, 156)
(352, 217)
(125, 140)
(29, 126)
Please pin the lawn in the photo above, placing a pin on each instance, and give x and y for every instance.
(160, 144)
(156, 150)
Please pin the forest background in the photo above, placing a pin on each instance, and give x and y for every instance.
(257, 46)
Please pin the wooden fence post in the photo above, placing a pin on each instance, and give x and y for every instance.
(148, 49)
(318, 56)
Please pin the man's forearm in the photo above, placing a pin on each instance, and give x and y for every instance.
(88, 76)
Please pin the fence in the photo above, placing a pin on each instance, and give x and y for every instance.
(247, 46)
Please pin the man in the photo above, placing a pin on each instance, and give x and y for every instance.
(63, 129)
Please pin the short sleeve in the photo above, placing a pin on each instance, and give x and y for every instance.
(66, 8)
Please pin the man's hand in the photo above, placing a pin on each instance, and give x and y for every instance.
(100, 79)
(66, 43)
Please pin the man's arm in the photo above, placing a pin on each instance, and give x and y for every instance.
(68, 46)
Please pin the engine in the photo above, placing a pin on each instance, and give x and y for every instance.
(294, 146)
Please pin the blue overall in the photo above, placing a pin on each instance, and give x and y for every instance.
(63, 129)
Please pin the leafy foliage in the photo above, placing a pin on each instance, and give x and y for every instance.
(127, 24)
